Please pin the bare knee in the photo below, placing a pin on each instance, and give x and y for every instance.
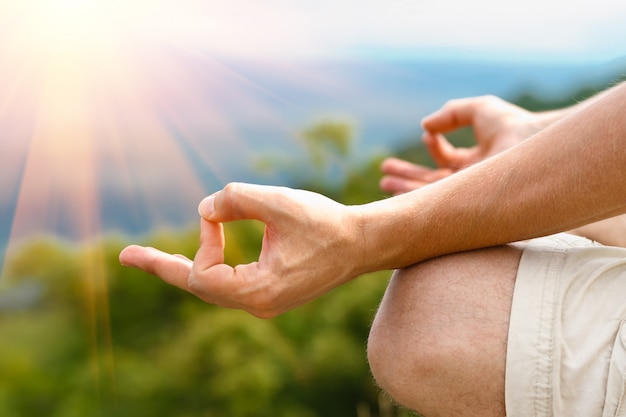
(438, 342)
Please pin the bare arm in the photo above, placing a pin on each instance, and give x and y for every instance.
(498, 125)
(566, 176)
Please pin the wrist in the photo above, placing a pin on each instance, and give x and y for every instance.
(389, 230)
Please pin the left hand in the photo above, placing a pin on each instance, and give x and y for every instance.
(497, 124)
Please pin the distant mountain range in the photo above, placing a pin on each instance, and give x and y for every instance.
(142, 184)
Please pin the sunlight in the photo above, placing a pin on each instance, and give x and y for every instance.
(119, 116)
(68, 29)
(106, 103)
(97, 114)
(95, 82)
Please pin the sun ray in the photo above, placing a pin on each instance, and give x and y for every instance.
(120, 115)
(97, 113)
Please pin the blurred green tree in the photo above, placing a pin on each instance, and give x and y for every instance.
(87, 337)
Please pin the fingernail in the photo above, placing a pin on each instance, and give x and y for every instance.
(207, 207)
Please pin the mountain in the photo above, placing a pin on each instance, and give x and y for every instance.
(135, 162)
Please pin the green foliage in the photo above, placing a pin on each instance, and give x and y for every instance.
(327, 144)
(111, 341)
(83, 336)
(328, 138)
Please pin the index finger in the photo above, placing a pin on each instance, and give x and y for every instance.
(453, 115)
(239, 201)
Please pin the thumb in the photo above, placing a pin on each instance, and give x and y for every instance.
(211, 251)
(442, 151)
(239, 201)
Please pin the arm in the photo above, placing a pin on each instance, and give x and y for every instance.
(497, 124)
(569, 174)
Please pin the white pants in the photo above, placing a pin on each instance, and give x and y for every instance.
(566, 354)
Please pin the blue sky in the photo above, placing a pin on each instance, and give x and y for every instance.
(120, 83)
(538, 30)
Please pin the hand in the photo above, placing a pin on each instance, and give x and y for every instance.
(310, 245)
(498, 125)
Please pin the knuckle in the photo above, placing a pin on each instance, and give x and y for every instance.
(233, 200)
(230, 191)
(231, 188)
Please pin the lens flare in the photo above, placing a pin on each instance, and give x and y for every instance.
(105, 107)
(96, 97)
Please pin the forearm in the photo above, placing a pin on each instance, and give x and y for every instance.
(549, 117)
(568, 175)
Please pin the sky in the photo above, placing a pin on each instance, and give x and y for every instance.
(121, 115)
(86, 85)
(531, 29)
(572, 30)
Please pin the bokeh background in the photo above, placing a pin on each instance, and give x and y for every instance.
(118, 117)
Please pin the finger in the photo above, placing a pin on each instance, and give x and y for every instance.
(453, 115)
(402, 176)
(239, 287)
(172, 269)
(395, 185)
(401, 168)
(211, 279)
(394, 167)
(211, 251)
(442, 151)
(239, 201)
(224, 285)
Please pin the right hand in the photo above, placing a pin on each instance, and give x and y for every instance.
(311, 245)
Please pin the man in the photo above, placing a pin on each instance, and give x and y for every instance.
(525, 329)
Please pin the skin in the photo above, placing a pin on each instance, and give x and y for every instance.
(439, 339)
(565, 176)
(438, 342)
(498, 126)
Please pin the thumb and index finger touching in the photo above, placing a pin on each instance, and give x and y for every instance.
(234, 202)
(237, 201)
(455, 114)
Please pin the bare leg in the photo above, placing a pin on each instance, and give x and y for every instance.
(438, 343)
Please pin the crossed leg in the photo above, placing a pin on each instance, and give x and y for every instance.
(438, 342)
